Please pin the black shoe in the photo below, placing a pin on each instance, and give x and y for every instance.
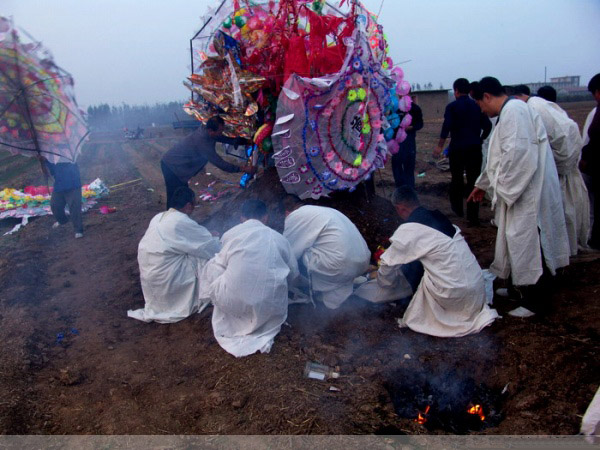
(458, 213)
(593, 244)
(474, 223)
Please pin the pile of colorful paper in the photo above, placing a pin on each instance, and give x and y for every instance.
(35, 200)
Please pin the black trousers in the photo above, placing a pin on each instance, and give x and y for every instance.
(595, 238)
(466, 159)
(72, 198)
(172, 182)
(536, 297)
(413, 272)
(403, 167)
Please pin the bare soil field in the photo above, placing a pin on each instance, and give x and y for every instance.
(113, 375)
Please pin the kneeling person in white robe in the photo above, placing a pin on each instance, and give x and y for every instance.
(170, 255)
(247, 282)
(328, 246)
(449, 297)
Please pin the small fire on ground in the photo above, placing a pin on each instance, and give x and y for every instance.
(421, 419)
(477, 409)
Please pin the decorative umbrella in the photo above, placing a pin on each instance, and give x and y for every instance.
(38, 111)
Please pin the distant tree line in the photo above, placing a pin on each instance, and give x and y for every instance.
(104, 117)
(425, 87)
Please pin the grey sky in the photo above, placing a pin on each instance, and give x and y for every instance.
(136, 51)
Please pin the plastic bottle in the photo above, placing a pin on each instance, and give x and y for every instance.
(319, 371)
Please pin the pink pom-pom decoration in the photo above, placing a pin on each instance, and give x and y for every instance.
(400, 136)
(398, 74)
(403, 88)
(393, 146)
(405, 103)
(406, 121)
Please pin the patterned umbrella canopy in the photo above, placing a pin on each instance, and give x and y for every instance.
(38, 111)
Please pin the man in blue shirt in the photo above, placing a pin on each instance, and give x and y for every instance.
(403, 162)
(468, 127)
(67, 191)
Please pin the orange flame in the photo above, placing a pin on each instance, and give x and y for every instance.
(420, 419)
(477, 409)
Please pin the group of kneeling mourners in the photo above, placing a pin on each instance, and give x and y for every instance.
(252, 273)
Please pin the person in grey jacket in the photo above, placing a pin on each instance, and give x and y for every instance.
(190, 155)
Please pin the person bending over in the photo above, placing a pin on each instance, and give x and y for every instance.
(566, 143)
(247, 282)
(449, 297)
(329, 248)
(190, 155)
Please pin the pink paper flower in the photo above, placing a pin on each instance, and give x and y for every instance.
(406, 121)
(400, 136)
(403, 88)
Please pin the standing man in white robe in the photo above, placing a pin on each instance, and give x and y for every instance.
(247, 282)
(565, 142)
(330, 250)
(170, 255)
(449, 294)
(522, 181)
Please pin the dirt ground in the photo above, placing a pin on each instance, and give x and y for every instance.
(113, 375)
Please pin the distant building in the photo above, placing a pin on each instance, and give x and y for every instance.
(565, 86)
(432, 102)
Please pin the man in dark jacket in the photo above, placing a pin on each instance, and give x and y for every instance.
(590, 160)
(190, 155)
(66, 191)
(468, 127)
(403, 162)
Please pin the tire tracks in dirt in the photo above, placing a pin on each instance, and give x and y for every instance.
(53, 284)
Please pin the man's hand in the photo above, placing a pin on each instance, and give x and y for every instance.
(476, 196)
(249, 169)
(242, 141)
(437, 151)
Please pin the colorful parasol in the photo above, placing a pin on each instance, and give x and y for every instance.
(38, 111)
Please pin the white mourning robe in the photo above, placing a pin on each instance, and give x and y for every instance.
(170, 254)
(450, 301)
(586, 126)
(521, 178)
(586, 178)
(390, 285)
(566, 143)
(247, 282)
(330, 247)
